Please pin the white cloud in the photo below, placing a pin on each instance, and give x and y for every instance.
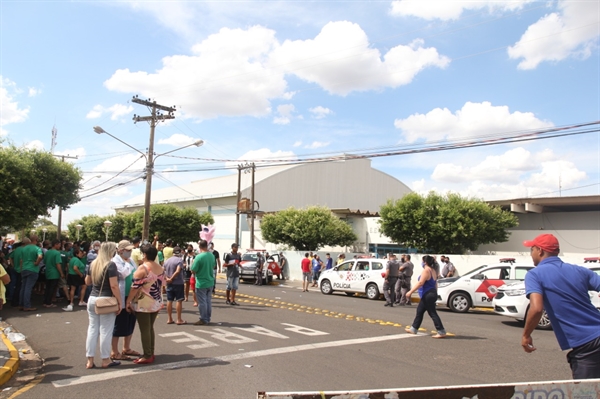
(32, 92)
(297, 143)
(317, 144)
(418, 185)
(226, 75)
(263, 154)
(178, 140)
(284, 114)
(340, 59)
(35, 145)
(9, 107)
(288, 95)
(116, 111)
(474, 119)
(320, 112)
(450, 9)
(570, 32)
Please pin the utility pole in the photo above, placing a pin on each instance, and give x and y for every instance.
(237, 207)
(155, 117)
(252, 208)
(58, 229)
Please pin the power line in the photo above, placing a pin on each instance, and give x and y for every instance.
(111, 187)
(103, 183)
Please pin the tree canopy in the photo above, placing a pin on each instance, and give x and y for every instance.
(306, 229)
(444, 224)
(33, 183)
(182, 225)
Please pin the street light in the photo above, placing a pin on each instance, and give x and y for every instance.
(88, 180)
(107, 224)
(45, 230)
(149, 171)
(78, 227)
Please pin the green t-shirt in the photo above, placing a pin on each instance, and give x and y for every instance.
(30, 254)
(75, 261)
(161, 257)
(203, 268)
(66, 258)
(52, 259)
(15, 257)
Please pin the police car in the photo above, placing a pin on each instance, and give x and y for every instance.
(478, 287)
(354, 276)
(512, 302)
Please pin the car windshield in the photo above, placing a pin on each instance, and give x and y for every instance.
(474, 270)
(249, 257)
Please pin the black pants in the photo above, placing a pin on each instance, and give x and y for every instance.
(427, 303)
(50, 290)
(585, 360)
(16, 298)
(389, 289)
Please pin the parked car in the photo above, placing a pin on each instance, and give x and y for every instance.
(478, 287)
(248, 266)
(362, 275)
(512, 302)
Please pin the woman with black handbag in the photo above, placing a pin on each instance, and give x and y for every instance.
(103, 305)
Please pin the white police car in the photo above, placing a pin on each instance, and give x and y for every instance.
(512, 302)
(354, 276)
(478, 287)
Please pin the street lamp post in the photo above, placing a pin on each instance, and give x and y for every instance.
(107, 225)
(78, 227)
(150, 159)
(44, 230)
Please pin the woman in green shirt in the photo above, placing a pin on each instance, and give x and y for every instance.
(75, 277)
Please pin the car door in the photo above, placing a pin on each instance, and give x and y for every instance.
(359, 276)
(340, 276)
(489, 280)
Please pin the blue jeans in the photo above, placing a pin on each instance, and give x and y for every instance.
(204, 297)
(28, 280)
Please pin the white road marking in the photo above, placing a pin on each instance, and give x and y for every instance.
(220, 359)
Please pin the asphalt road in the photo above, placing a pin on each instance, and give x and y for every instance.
(281, 339)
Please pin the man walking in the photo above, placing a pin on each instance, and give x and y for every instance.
(203, 269)
(562, 290)
(174, 280)
(232, 263)
(403, 284)
(391, 277)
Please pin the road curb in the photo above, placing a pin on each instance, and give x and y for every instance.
(11, 366)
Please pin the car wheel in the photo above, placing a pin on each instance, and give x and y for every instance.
(544, 323)
(372, 291)
(326, 287)
(459, 302)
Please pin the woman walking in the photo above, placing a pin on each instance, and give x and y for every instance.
(427, 287)
(103, 279)
(145, 298)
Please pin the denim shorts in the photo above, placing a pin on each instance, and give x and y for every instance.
(175, 292)
(232, 283)
(306, 276)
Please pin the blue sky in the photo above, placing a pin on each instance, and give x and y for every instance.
(271, 79)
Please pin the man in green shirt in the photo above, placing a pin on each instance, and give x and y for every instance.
(54, 272)
(31, 258)
(15, 260)
(203, 267)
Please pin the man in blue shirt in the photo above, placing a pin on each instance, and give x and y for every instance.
(562, 290)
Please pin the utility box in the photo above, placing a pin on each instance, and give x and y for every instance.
(244, 205)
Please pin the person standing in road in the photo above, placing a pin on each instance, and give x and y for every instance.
(217, 269)
(305, 272)
(404, 281)
(341, 258)
(329, 263)
(232, 264)
(317, 265)
(125, 321)
(389, 284)
(283, 263)
(561, 289)
(31, 256)
(53, 262)
(136, 252)
(188, 261)
(448, 270)
(427, 287)
(203, 269)
(168, 249)
(75, 278)
(260, 263)
(174, 280)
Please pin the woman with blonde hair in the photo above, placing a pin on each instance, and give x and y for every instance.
(103, 279)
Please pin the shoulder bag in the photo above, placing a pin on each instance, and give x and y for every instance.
(106, 304)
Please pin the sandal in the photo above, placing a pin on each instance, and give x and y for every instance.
(131, 352)
(120, 356)
(182, 323)
(111, 364)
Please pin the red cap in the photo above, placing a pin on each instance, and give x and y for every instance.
(547, 242)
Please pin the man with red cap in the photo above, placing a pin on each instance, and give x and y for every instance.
(562, 290)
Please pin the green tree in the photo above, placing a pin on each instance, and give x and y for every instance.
(444, 224)
(33, 183)
(306, 229)
(182, 225)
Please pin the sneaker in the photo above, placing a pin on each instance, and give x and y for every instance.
(200, 323)
(410, 330)
(234, 303)
(69, 308)
(227, 302)
(82, 303)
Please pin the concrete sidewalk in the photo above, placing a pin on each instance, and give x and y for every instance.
(9, 359)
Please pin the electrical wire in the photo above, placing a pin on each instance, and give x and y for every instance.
(110, 188)
(103, 183)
